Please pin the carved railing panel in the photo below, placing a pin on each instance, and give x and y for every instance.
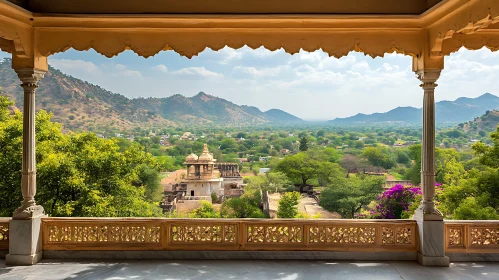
(354, 235)
(472, 236)
(274, 234)
(228, 234)
(203, 233)
(100, 234)
(4, 234)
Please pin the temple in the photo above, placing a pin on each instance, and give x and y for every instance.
(205, 180)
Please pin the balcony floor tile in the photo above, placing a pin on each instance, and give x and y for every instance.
(249, 269)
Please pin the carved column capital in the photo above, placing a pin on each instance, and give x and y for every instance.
(30, 77)
(428, 78)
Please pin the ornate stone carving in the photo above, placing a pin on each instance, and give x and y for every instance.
(404, 235)
(428, 78)
(104, 233)
(342, 234)
(274, 234)
(203, 233)
(455, 236)
(4, 232)
(477, 16)
(387, 236)
(482, 236)
(190, 43)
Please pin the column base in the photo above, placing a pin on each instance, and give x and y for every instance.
(23, 259)
(431, 239)
(433, 261)
(30, 212)
(25, 242)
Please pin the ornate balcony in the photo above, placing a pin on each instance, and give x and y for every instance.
(241, 238)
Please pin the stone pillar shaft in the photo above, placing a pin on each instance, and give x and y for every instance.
(428, 145)
(427, 208)
(429, 219)
(29, 209)
(25, 242)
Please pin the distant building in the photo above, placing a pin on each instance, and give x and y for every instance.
(243, 160)
(263, 171)
(204, 180)
(284, 151)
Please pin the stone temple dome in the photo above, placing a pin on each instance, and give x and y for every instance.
(206, 156)
(191, 157)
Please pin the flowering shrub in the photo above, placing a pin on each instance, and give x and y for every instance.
(395, 201)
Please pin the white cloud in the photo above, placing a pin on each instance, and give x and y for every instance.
(162, 68)
(228, 55)
(262, 72)
(198, 71)
(77, 67)
(308, 84)
(68, 65)
(121, 70)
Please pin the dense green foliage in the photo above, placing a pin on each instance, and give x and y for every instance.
(347, 196)
(84, 174)
(288, 205)
(77, 174)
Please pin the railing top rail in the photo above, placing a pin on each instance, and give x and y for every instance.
(4, 219)
(248, 220)
(471, 221)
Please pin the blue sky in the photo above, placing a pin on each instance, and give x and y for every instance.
(311, 86)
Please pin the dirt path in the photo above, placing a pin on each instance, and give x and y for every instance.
(306, 205)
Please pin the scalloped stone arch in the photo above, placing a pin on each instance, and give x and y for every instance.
(191, 43)
(451, 31)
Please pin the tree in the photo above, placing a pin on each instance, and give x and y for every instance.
(378, 156)
(300, 168)
(303, 143)
(470, 209)
(245, 206)
(348, 196)
(350, 163)
(288, 205)
(275, 181)
(77, 174)
(206, 210)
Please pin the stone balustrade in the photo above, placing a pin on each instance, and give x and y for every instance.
(228, 234)
(472, 236)
(4, 234)
(128, 234)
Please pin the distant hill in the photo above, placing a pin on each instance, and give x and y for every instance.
(277, 115)
(446, 112)
(482, 125)
(207, 109)
(79, 105)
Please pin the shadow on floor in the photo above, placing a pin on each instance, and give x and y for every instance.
(242, 270)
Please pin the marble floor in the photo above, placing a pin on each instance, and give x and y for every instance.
(241, 270)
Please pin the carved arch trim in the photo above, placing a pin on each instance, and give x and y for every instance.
(190, 42)
(469, 17)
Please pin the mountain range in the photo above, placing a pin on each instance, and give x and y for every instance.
(79, 105)
(461, 110)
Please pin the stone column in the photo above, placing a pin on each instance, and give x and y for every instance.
(430, 220)
(25, 227)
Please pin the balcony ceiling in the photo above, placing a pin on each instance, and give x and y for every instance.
(241, 7)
